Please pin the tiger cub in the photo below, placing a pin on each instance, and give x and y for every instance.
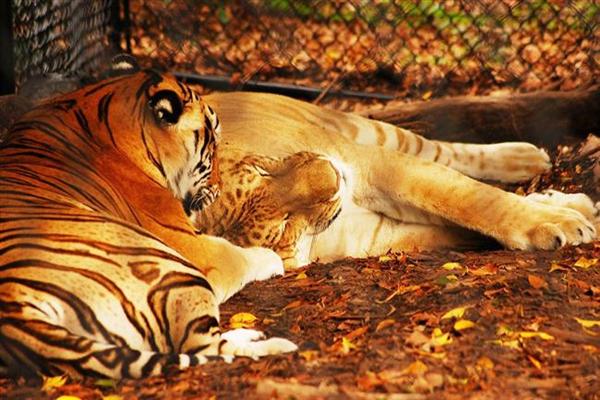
(101, 272)
(274, 202)
(400, 190)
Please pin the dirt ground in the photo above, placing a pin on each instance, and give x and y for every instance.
(416, 325)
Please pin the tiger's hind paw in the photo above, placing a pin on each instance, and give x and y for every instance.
(252, 343)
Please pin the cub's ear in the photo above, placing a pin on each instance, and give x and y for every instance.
(166, 106)
(123, 64)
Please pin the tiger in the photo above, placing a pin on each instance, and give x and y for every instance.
(396, 190)
(101, 271)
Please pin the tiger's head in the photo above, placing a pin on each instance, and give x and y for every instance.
(178, 136)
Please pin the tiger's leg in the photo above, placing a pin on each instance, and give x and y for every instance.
(397, 180)
(233, 267)
(506, 162)
(359, 232)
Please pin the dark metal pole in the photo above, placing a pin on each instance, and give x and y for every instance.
(7, 57)
(224, 83)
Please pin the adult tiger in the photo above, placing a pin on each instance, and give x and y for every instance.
(100, 270)
(401, 190)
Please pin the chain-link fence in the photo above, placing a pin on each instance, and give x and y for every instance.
(73, 37)
(394, 46)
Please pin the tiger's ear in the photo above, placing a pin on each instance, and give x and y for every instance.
(166, 106)
(123, 64)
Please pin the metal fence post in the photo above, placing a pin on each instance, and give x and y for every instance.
(7, 59)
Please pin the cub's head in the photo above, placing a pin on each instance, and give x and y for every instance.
(175, 134)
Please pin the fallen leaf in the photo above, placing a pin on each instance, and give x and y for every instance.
(301, 275)
(557, 267)
(439, 338)
(536, 282)
(242, 320)
(536, 363)
(444, 280)
(541, 335)
(463, 324)
(587, 323)
(309, 355)
(109, 383)
(357, 332)
(293, 304)
(112, 397)
(384, 324)
(415, 368)
(68, 398)
(487, 269)
(504, 330)
(385, 258)
(512, 344)
(485, 363)
(457, 312)
(450, 266)
(347, 345)
(53, 382)
(585, 263)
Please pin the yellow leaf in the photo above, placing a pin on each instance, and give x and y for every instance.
(587, 323)
(585, 263)
(347, 345)
(52, 382)
(301, 275)
(112, 397)
(535, 362)
(438, 338)
(462, 324)
(415, 368)
(455, 313)
(427, 95)
(385, 258)
(242, 320)
(504, 330)
(450, 266)
(557, 267)
(309, 355)
(541, 335)
(512, 344)
(68, 398)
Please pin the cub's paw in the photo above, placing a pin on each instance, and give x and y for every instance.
(514, 162)
(252, 343)
(548, 227)
(264, 263)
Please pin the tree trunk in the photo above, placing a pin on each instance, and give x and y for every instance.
(543, 118)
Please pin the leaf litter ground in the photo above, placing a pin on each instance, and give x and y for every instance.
(416, 325)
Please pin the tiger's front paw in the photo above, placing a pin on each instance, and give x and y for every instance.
(548, 227)
(252, 343)
(264, 263)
